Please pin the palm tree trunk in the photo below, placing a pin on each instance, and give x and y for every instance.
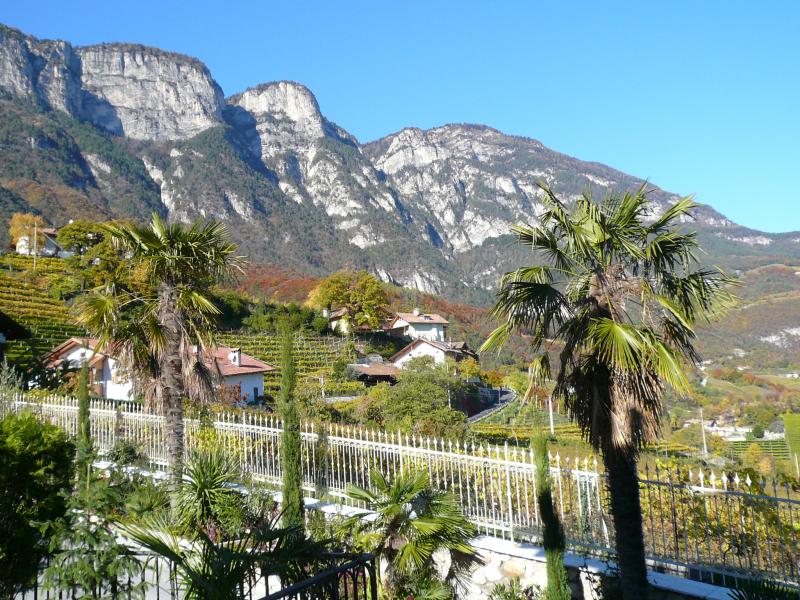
(172, 384)
(626, 509)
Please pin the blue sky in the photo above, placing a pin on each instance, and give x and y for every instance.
(698, 97)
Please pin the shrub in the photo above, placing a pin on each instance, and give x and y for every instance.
(35, 473)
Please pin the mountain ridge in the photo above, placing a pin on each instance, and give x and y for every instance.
(121, 130)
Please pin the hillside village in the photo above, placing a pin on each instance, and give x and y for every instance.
(348, 355)
(247, 355)
(360, 363)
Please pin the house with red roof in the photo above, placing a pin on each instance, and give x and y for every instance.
(237, 371)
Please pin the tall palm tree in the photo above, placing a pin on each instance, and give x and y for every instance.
(622, 292)
(412, 522)
(160, 322)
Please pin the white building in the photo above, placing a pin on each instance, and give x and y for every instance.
(417, 325)
(236, 370)
(439, 351)
(338, 320)
(48, 245)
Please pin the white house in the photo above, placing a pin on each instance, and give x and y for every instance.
(439, 351)
(237, 370)
(48, 247)
(417, 325)
(338, 321)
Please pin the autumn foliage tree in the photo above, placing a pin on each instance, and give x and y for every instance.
(361, 294)
(25, 225)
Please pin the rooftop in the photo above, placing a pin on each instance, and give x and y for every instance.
(418, 317)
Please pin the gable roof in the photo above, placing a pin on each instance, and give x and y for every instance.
(338, 313)
(421, 318)
(446, 347)
(220, 360)
(53, 358)
(376, 369)
(248, 364)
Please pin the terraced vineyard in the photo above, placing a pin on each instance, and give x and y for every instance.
(47, 321)
(314, 355)
(791, 424)
(775, 448)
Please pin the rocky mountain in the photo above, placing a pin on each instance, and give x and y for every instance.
(120, 130)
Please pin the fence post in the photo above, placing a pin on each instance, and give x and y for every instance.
(508, 494)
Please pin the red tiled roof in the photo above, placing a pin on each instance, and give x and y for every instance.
(53, 358)
(431, 318)
(247, 365)
(220, 360)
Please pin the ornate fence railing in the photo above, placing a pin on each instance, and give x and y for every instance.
(338, 577)
(696, 523)
(352, 578)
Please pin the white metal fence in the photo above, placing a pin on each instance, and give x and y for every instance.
(697, 523)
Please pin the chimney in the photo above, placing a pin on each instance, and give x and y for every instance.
(416, 312)
(325, 312)
(235, 356)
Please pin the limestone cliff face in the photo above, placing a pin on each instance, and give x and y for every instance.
(45, 71)
(315, 160)
(147, 94)
(429, 209)
(141, 93)
(472, 181)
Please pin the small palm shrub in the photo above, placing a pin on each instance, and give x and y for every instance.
(760, 589)
(412, 523)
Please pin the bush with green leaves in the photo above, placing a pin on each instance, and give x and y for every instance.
(11, 380)
(291, 440)
(513, 590)
(553, 538)
(209, 569)
(422, 402)
(211, 497)
(272, 317)
(86, 554)
(35, 474)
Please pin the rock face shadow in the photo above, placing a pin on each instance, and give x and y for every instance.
(101, 113)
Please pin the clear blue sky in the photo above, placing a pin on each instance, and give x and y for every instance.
(699, 97)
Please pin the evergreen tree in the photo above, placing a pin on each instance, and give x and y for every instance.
(553, 537)
(290, 451)
(84, 443)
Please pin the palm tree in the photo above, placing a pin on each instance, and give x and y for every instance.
(411, 523)
(159, 324)
(228, 569)
(623, 294)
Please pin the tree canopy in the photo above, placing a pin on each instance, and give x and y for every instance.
(622, 290)
(361, 294)
(24, 225)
